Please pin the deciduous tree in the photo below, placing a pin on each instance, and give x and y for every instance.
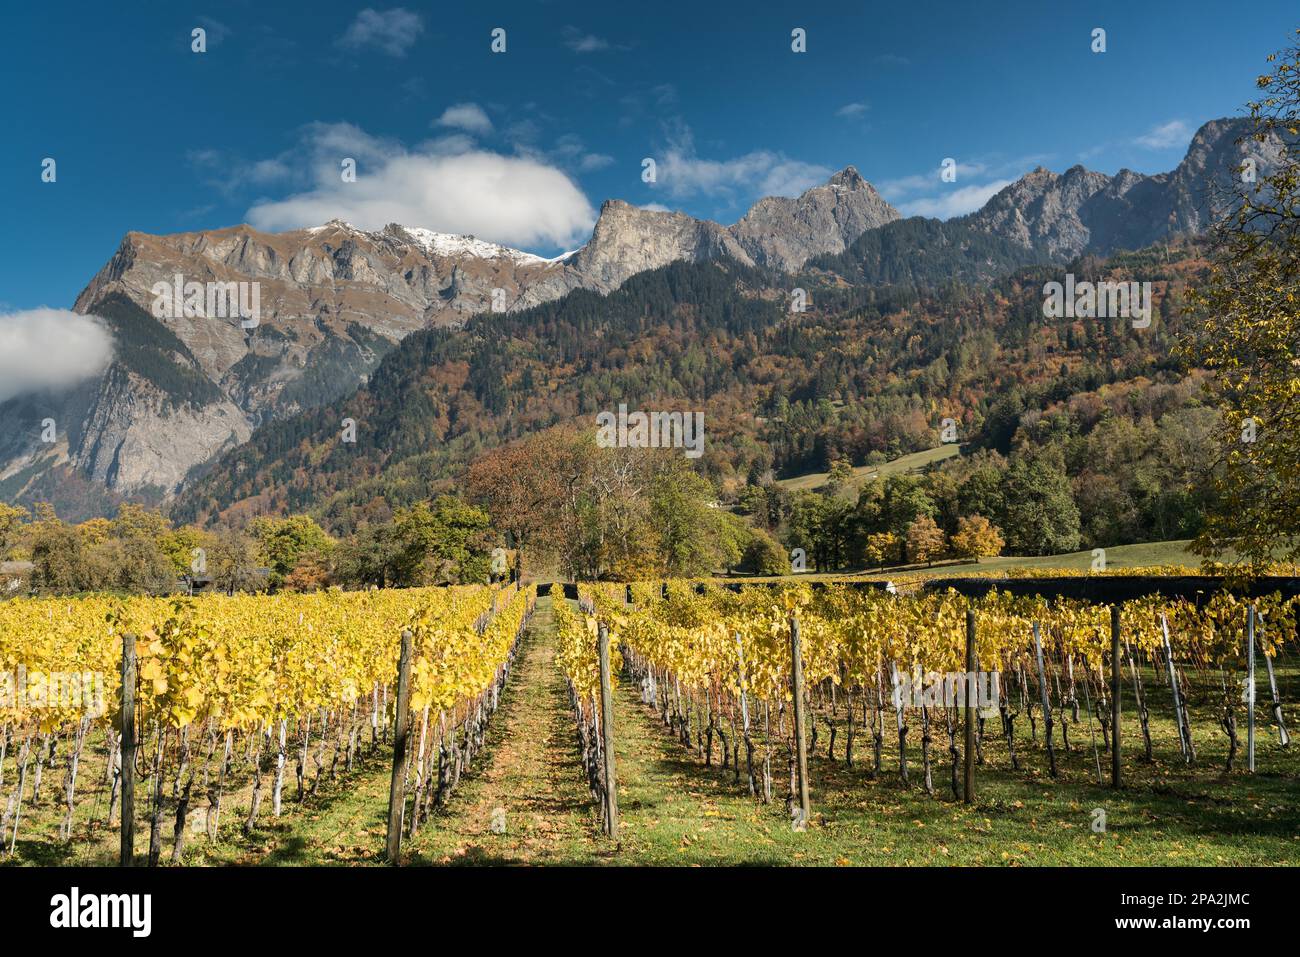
(925, 540)
(976, 537)
(1250, 338)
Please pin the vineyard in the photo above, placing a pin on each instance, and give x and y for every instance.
(718, 669)
(669, 708)
(221, 694)
(704, 657)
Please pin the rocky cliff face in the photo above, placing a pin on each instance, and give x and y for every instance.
(333, 300)
(785, 233)
(1081, 211)
(315, 282)
(778, 232)
(1041, 210)
(628, 239)
(134, 436)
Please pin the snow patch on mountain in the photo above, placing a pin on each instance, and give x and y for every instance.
(447, 244)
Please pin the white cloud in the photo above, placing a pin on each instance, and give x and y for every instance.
(791, 177)
(466, 116)
(1164, 136)
(521, 201)
(897, 189)
(926, 194)
(390, 31)
(953, 202)
(580, 42)
(229, 174)
(50, 349)
(682, 173)
(569, 152)
(852, 110)
(449, 144)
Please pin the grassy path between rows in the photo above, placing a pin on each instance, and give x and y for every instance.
(671, 810)
(530, 778)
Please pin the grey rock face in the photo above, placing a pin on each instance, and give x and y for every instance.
(1041, 210)
(332, 300)
(785, 233)
(778, 232)
(628, 239)
(133, 437)
(1084, 211)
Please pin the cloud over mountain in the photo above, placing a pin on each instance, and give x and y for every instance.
(1165, 136)
(449, 186)
(957, 202)
(682, 173)
(50, 349)
(977, 181)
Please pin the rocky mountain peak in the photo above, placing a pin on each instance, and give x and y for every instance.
(1084, 210)
(629, 239)
(778, 231)
(785, 232)
(848, 178)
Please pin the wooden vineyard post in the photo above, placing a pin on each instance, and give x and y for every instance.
(744, 715)
(1114, 697)
(1250, 689)
(801, 746)
(972, 683)
(1184, 730)
(128, 751)
(607, 731)
(1283, 737)
(1047, 703)
(396, 795)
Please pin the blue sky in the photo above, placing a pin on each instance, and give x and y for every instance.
(522, 147)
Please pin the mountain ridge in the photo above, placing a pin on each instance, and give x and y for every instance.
(336, 299)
